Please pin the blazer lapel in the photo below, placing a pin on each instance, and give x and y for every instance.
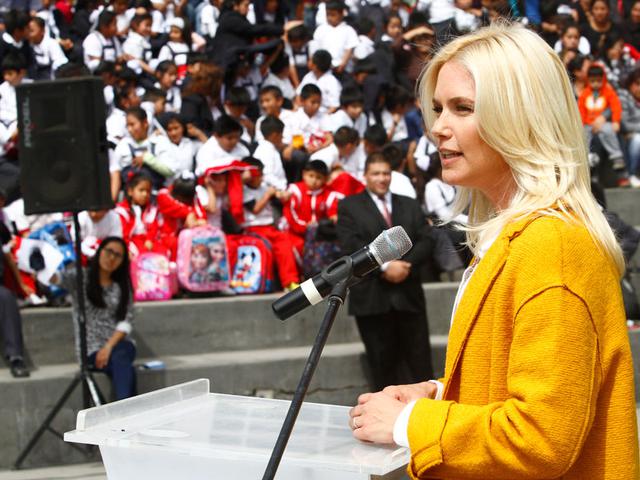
(476, 292)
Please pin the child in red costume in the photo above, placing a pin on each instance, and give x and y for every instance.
(140, 218)
(311, 201)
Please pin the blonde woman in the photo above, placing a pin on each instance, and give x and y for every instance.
(539, 378)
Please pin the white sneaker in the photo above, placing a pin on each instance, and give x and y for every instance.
(634, 181)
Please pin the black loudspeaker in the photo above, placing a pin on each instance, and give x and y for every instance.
(64, 163)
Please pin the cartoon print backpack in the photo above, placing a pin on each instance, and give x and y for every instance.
(57, 235)
(153, 277)
(253, 270)
(203, 259)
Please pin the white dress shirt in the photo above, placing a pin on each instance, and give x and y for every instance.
(273, 172)
(329, 86)
(212, 155)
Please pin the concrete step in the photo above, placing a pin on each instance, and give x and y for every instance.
(179, 327)
(624, 202)
(274, 372)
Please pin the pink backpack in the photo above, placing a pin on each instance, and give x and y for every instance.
(203, 259)
(153, 277)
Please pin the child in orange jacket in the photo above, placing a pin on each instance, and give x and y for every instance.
(601, 113)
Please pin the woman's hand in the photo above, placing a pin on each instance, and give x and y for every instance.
(102, 357)
(409, 393)
(373, 420)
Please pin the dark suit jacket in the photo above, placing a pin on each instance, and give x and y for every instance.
(359, 223)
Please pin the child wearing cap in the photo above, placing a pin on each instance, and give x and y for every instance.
(178, 47)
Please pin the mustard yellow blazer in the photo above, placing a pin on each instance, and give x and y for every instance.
(539, 376)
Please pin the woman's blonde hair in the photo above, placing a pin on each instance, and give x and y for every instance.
(526, 111)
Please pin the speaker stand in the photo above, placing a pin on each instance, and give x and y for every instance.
(91, 394)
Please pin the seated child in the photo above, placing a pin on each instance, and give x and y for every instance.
(235, 105)
(351, 111)
(139, 217)
(259, 219)
(185, 148)
(268, 152)
(321, 76)
(601, 114)
(346, 154)
(95, 226)
(14, 70)
(271, 101)
(297, 49)
(178, 47)
(279, 77)
(140, 152)
(311, 201)
(223, 147)
(179, 210)
(166, 74)
(309, 123)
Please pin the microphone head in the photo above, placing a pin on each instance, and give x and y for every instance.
(391, 244)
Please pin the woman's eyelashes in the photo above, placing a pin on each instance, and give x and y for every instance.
(460, 108)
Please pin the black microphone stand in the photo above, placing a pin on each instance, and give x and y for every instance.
(90, 391)
(335, 301)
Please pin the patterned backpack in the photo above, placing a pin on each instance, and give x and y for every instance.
(253, 270)
(153, 277)
(203, 259)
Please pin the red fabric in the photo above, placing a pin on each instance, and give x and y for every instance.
(174, 213)
(234, 171)
(151, 219)
(65, 9)
(346, 184)
(305, 206)
(282, 248)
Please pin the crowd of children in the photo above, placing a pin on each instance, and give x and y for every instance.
(254, 119)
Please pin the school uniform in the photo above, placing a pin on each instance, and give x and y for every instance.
(159, 158)
(401, 131)
(49, 57)
(178, 53)
(365, 47)
(328, 84)
(185, 154)
(174, 213)
(284, 84)
(92, 233)
(273, 171)
(286, 117)
(8, 44)
(302, 124)
(341, 118)
(138, 47)
(140, 225)
(212, 155)
(336, 40)
(116, 125)
(262, 224)
(299, 59)
(97, 48)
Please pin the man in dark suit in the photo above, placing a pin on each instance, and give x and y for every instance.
(389, 305)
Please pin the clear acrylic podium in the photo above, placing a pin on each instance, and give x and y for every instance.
(187, 432)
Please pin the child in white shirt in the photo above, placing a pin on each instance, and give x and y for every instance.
(137, 45)
(309, 123)
(335, 36)
(102, 44)
(268, 152)
(223, 147)
(48, 52)
(14, 70)
(177, 48)
(167, 73)
(271, 101)
(351, 111)
(321, 76)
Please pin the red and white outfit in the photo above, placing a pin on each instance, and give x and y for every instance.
(306, 207)
(139, 225)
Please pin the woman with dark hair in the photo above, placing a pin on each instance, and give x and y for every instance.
(201, 103)
(631, 26)
(598, 26)
(108, 301)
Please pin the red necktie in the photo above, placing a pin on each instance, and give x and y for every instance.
(385, 212)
